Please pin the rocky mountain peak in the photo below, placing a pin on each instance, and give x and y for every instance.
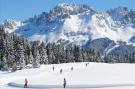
(71, 9)
(118, 13)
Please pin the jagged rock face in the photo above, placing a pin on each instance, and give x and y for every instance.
(123, 14)
(118, 13)
(101, 45)
(62, 11)
(79, 24)
(70, 9)
(130, 18)
(122, 50)
(132, 39)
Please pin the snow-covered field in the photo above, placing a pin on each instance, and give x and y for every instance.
(94, 76)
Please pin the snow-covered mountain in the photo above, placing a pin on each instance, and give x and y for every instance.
(79, 24)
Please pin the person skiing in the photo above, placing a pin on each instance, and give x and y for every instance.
(53, 68)
(60, 71)
(64, 83)
(86, 64)
(72, 68)
(26, 83)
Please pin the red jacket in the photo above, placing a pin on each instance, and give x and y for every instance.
(26, 81)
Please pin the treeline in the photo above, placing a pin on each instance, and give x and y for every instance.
(127, 58)
(17, 52)
(71, 53)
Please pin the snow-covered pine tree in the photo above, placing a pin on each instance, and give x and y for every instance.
(27, 49)
(3, 62)
(30, 58)
(50, 53)
(19, 53)
(84, 55)
(36, 60)
(11, 51)
(60, 54)
(43, 54)
(55, 53)
(68, 56)
(78, 54)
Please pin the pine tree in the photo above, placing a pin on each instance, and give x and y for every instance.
(4, 65)
(78, 54)
(19, 53)
(43, 54)
(30, 58)
(36, 61)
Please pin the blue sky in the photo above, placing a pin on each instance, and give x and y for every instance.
(24, 9)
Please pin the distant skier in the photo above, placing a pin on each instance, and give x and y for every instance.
(87, 64)
(60, 71)
(64, 83)
(26, 83)
(72, 68)
(53, 68)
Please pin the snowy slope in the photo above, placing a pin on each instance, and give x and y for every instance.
(100, 76)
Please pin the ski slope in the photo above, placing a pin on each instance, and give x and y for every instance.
(94, 76)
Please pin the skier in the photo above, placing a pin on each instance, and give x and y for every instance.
(26, 83)
(64, 83)
(60, 71)
(53, 68)
(87, 64)
(72, 68)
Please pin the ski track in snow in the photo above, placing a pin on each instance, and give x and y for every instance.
(108, 51)
(70, 86)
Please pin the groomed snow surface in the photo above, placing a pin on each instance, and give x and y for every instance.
(94, 76)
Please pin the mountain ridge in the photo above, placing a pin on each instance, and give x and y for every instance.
(77, 24)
